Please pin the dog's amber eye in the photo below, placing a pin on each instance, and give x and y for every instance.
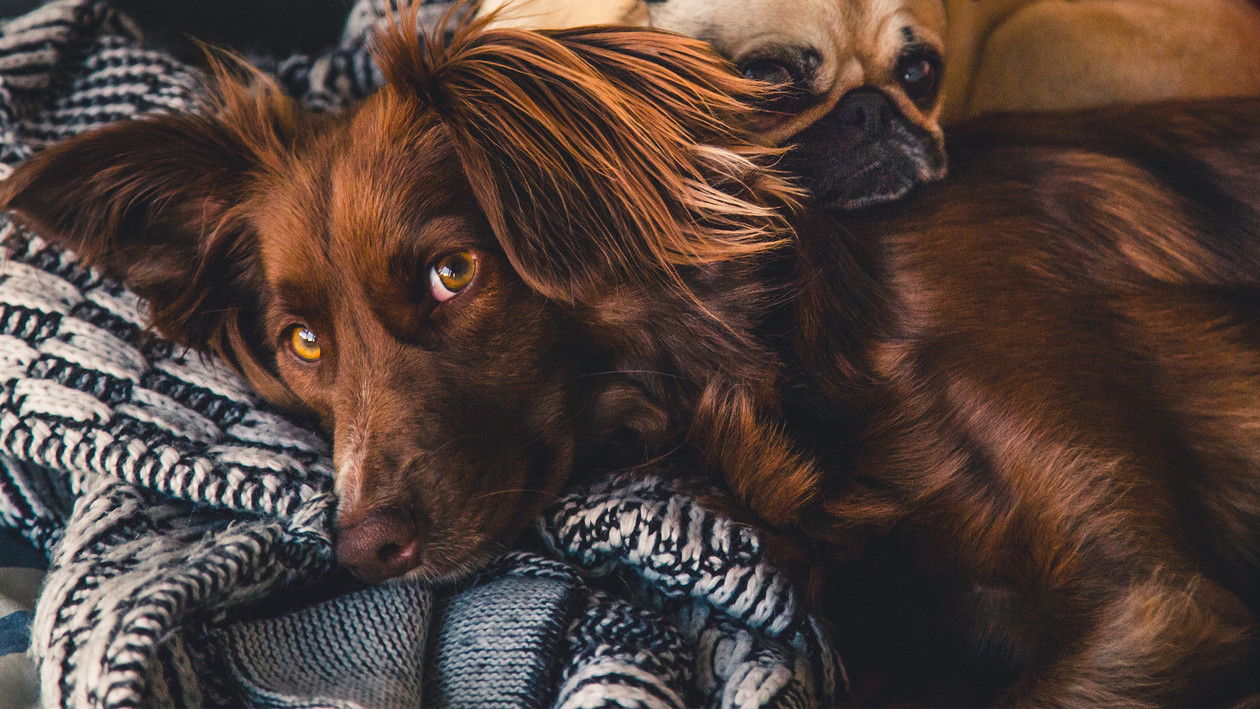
(919, 73)
(304, 343)
(451, 274)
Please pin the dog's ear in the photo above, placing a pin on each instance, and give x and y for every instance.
(153, 203)
(599, 155)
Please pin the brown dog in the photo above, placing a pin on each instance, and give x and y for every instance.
(471, 278)
(1038, 385)
(1021, 407)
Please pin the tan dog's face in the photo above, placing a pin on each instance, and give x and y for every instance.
(861, 82)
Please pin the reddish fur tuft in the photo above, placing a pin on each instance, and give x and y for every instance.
(608, 135)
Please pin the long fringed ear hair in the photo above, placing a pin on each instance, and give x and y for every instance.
(154, 203)
(604, 156)
(600, 155)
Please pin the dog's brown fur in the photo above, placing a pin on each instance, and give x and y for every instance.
(1033, 389)
(586, 179)
(1046, 416)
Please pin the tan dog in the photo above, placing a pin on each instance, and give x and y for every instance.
(861, 80)
(558, 14)
(1004, 55)
(865, 93)
(1021, 55)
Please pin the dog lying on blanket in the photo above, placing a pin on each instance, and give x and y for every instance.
(867, 84)
(1028, 396)
(473, 278)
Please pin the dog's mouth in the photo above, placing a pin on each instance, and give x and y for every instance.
(444, 526)
(885, 173)
(456, 559)
(390, 543)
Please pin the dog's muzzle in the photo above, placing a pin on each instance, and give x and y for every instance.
(865, 152)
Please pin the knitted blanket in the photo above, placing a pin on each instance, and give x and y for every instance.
(187, 525)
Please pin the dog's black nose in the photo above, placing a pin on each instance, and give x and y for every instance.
(382, 545)
(867, 110)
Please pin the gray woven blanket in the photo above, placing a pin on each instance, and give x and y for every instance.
(188, 525)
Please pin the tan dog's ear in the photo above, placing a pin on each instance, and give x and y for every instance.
(151, 202)
(599, 155)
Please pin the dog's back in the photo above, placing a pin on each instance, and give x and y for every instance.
(1148, 243)
(1062, 430)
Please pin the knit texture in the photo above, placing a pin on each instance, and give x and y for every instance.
(508, 626)
(701, 617)
(361, 649)
(170, 500)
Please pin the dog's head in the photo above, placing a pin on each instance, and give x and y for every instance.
(859, 81)
(859, 85)
(456, 276)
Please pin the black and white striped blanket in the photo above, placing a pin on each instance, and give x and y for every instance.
(187, 525)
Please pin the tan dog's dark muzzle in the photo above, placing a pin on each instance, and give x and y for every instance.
(865, 152)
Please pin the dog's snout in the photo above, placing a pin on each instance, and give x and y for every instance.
(868, 111)
(866, 151)
(382, 545)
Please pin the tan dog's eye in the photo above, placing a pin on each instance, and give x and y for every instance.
(304, 343)
(769, 71)
(451, 274)
(789, 72)
(919, 73)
